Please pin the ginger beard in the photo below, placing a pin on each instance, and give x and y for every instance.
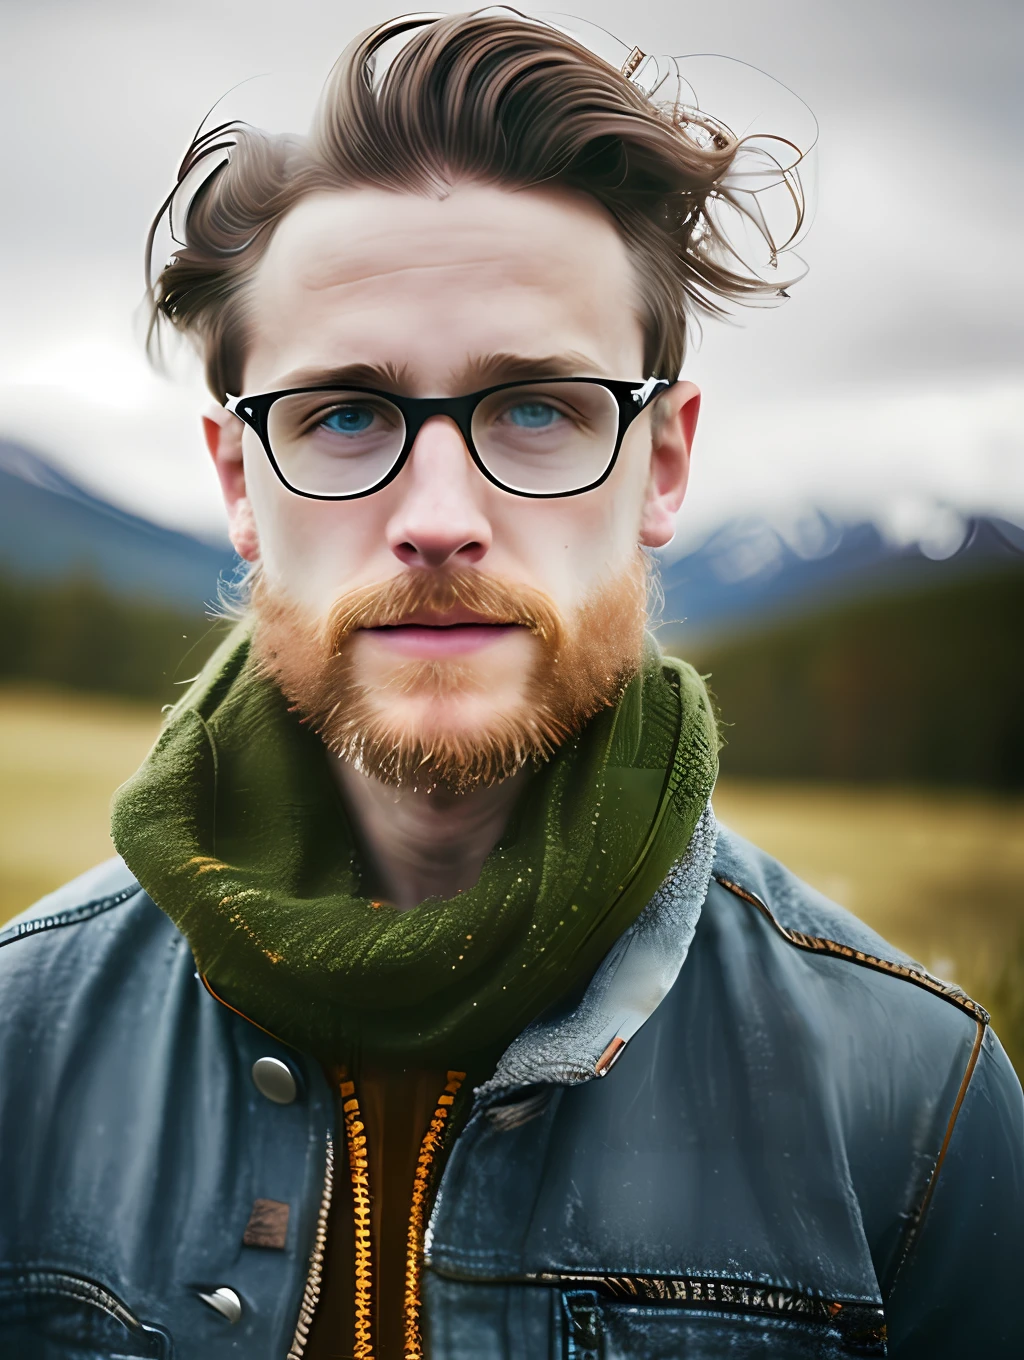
(466, 720)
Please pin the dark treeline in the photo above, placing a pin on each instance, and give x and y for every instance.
(923, 687)
(75, 633)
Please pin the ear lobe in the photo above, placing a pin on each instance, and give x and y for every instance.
(674, 423)
(223, 434)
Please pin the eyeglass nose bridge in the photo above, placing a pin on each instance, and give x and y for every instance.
(459, 410)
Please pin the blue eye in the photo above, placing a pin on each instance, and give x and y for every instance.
(349, 420)
(532, 415)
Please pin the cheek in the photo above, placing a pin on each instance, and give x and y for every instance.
(312, 550)
(574, 545)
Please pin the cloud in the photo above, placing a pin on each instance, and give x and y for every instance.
(885, 451)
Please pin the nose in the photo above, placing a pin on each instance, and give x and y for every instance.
(439, 520)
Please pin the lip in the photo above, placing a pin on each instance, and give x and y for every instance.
(427, 641)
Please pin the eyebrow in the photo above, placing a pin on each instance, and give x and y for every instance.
(499, 368)
(481, 371)
(392, 377)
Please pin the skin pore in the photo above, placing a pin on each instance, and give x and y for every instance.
(437, 296)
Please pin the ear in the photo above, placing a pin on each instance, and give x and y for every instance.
(223, 433)
(673, 422)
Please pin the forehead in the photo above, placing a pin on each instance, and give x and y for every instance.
(429, 285)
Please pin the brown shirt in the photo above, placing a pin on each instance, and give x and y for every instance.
(396, 1108)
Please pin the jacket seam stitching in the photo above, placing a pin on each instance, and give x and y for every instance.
(728, 1293)
(71, 917)
(653, 1286)
(820, 944)
(241, 1014)
(68, 1284)
(917, 1218)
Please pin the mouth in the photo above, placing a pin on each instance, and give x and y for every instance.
(425, 636)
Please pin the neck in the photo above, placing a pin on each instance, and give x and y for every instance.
(422, 844)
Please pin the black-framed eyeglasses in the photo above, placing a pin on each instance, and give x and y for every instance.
(549, 437)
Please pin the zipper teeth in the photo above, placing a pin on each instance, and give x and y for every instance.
(311, 1294)
(355, 1137)
(359, 1169)
(432, 1139)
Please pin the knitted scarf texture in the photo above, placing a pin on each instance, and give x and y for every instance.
(236, 829)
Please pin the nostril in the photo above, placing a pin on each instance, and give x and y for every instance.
(437, 554)
(471, 552)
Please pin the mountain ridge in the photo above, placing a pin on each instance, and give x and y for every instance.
(51, 527)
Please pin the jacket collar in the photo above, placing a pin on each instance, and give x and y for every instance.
(576, 1044)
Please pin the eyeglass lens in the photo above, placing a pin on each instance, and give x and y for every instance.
(549, 437)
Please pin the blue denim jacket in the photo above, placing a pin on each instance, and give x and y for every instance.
(806, 1147)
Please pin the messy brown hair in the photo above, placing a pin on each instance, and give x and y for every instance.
(495, 98)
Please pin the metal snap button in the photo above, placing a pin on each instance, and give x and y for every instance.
(275, 1080)
(225, 1301)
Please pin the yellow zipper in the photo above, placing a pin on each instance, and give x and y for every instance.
(432, 1139)
(359, 1169)
(359, 1172)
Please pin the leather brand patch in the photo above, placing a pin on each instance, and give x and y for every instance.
(268, 1225)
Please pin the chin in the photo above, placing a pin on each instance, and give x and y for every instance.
(431, 721)
(442, 724)
(430, 700)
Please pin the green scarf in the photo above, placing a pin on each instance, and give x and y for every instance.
(235, 828)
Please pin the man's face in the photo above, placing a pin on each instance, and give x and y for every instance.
(440, 296)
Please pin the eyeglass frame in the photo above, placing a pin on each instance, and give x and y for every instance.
(631, 398)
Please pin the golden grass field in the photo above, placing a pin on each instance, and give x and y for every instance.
(940, 874)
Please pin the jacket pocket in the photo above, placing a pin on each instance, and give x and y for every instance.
(599, 1329)
(53, 1315)
(486, 1320)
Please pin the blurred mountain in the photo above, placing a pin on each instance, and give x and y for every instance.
(51, 528)
(750, 573)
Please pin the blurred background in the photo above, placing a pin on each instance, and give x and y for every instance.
(849, 565)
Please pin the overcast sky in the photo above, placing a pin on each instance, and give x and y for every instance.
(890, 384)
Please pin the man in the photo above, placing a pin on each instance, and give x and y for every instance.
(429, 1011)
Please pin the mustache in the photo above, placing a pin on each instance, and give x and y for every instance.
(492, 600)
